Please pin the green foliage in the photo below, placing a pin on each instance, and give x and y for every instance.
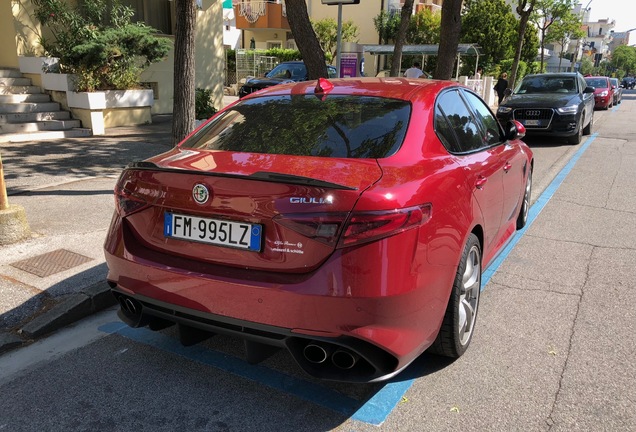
(624, 58)
(492, 25)
(506, 66)
(387, 26)
(424, 28)
(327, 33)
(587, 66)
(97, 41)
(203, 107)
(531, 44)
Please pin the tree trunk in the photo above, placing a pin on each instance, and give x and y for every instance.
(449, 39)
(184, 84)
(524, 17)
(305, 37)
(405, 19)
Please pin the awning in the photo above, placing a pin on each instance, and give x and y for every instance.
(462, 49)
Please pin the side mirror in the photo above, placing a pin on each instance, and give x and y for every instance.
(515, 130)
(613, 87)
(589, 89)
(507, 92)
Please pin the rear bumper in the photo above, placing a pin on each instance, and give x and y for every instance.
(389, 324)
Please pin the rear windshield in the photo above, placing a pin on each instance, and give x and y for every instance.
(597, 82)
(305, 125)
(547, 84)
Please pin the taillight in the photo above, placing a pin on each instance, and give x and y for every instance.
(126, 202)
(365, 227)
(338, 230)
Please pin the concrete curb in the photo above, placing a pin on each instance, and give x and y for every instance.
(72, 309)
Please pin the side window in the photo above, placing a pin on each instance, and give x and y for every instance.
(488, 121)
(460, 121)
(444, 131)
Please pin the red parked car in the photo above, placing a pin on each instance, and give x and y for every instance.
(347, 221)
(603, 94)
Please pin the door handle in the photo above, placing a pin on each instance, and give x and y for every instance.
(507, 167)
(481, 181)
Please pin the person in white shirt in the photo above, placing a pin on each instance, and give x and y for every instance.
(414, 71)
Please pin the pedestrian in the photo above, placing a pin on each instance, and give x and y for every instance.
(414, 71)
(501, 86)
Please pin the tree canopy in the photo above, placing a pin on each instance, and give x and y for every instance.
(492, 25)
(327, 33)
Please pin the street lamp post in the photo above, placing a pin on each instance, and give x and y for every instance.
(339, 38)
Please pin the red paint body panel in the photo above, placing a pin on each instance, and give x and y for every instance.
(391, 292)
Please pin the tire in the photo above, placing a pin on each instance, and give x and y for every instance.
(522, 218)
(578, 136)
(459, 320)
(588, 129)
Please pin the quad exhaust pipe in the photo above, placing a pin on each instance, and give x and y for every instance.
(319, 354)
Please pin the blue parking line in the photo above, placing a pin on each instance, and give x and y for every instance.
(534, 211)
(286, 383)
(375, 410)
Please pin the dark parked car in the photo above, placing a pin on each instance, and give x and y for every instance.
(617, 91)
(285, 72)
(628, 82)
(603, 95)
(551, 104)
(346, 221)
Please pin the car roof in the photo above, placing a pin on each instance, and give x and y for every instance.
(554, 74)
(390, 87)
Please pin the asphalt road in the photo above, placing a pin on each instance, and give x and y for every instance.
(553, 349)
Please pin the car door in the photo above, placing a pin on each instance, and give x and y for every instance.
(482, 165)
(514, 164)
(588, 101)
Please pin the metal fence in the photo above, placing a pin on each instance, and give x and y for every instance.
(252, 63)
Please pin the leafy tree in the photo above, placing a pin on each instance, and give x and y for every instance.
(97, 41)
(424, 28)
(524, 9)
(492, 25)
(305, 37)
(327, 33)
(587, 65)
(183, 111)
(449, 38)
(405, 17)
(624, 58)
(387, 26)
(546, 13)
(530, 46)
(565, 29)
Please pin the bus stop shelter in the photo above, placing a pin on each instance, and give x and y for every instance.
(425, 50)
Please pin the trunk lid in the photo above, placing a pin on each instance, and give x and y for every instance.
(249, 196)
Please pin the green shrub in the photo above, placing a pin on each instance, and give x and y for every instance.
(203, 104)
(97, 41)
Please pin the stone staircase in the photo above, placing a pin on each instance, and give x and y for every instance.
(27, 114)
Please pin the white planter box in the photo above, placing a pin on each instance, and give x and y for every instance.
(129, 98)
(34, 65)
(59, 82)
(110, 99)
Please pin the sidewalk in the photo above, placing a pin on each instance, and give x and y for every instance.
(66, 188)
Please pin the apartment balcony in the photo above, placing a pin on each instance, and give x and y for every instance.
(260, 14)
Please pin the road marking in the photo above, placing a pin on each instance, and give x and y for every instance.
(536, 208)
(377, 408)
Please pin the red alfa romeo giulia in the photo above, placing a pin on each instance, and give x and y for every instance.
(347, 221)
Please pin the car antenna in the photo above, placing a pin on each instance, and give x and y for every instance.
(323, 86)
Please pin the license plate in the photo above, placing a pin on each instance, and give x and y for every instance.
(532, 123)
(213, 231)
